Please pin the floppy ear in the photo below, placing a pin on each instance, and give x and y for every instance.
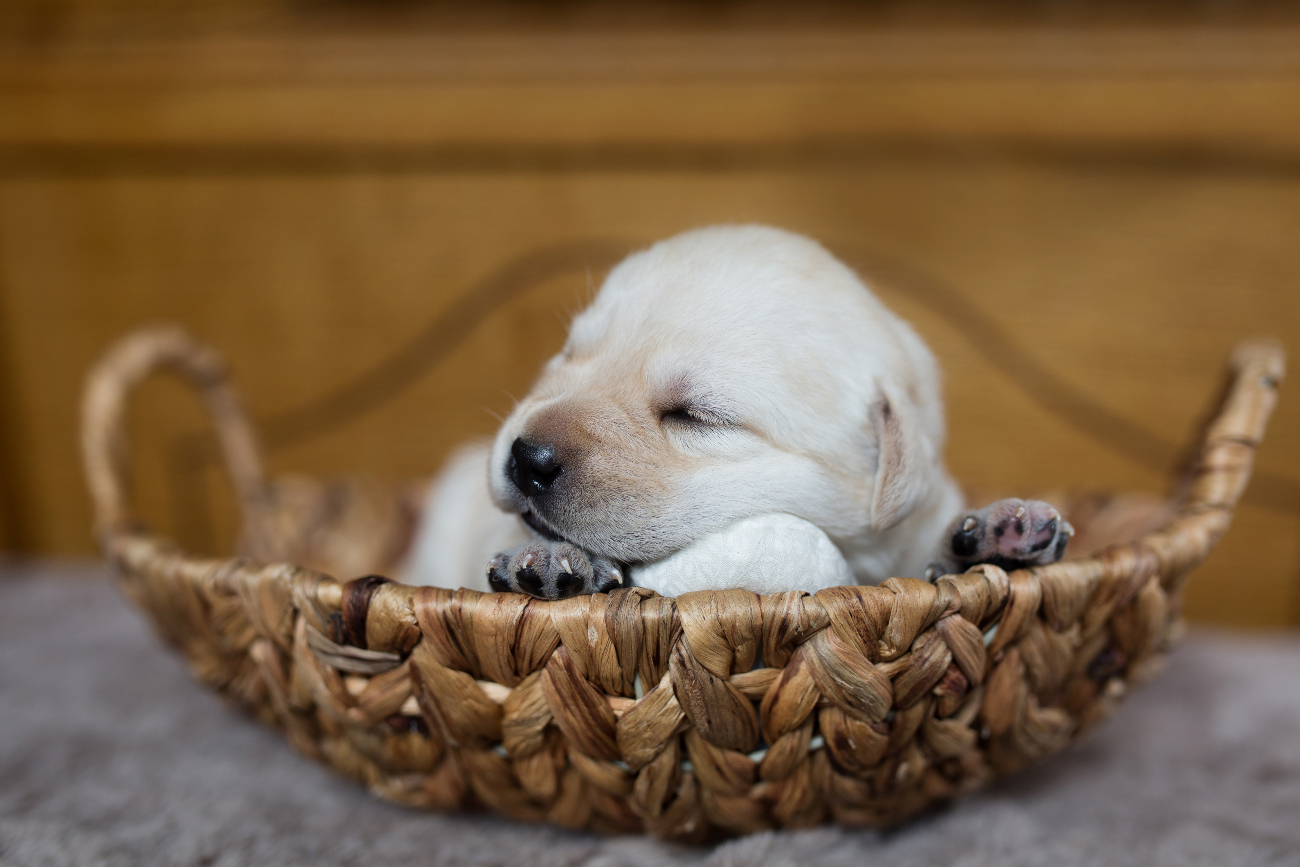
(903, 466)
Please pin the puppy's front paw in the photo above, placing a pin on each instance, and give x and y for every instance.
(552, 570)
(1010, 533)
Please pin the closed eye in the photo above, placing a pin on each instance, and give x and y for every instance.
(695, 416)
(680, 416)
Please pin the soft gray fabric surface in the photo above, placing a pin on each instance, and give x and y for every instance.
(110, 754)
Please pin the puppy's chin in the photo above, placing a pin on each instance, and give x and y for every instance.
(622, 544)
(594, 542)
(533, 520)
(544, 528)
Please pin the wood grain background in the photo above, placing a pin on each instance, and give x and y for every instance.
(384, 215)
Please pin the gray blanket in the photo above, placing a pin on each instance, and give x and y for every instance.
(110, 754)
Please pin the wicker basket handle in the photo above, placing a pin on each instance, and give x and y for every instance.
(103, 421)
(1224, 455)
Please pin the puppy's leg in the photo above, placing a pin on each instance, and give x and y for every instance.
(460, 528)
(552, 570)
(1010, 533)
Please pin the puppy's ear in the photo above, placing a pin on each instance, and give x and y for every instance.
(906, 456)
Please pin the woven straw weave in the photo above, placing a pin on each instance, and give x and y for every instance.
(711, 713)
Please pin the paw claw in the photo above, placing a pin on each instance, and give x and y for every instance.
(496, 573)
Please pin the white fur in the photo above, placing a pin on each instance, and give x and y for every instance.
(764, 554)
(829, 406)
(459, 523)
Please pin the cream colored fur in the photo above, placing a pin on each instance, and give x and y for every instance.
(806, 396)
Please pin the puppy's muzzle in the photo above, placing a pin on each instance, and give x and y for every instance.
(533, 468)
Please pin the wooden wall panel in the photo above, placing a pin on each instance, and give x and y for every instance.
(1080, 248)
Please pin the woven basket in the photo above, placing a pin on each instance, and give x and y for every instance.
(629, 712)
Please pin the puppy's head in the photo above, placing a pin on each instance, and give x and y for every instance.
(723, 373)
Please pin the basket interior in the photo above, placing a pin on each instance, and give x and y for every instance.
(358, 526)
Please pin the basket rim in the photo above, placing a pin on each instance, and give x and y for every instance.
(1211, 479)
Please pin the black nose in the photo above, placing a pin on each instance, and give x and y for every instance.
(532, 468)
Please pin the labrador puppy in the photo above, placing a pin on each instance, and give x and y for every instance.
(724, 373)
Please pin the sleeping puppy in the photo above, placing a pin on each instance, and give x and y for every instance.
(725, 373)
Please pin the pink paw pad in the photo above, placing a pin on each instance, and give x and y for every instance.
(1010, 533)
(1022, 529)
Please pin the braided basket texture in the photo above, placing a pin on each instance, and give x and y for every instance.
(711, 713)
